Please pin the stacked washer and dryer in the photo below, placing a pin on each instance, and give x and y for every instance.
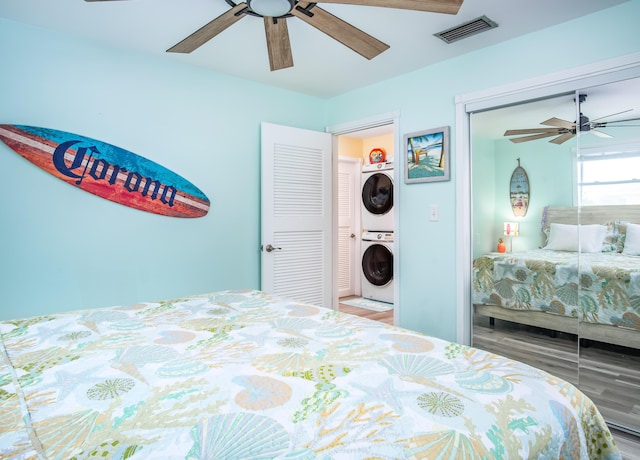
(377, 232)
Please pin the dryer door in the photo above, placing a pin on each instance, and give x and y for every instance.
(377, 194)
(377, 265)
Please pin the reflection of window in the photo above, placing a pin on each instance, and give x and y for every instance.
(609, 177)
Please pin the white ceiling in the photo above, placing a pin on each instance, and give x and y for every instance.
(322, 66)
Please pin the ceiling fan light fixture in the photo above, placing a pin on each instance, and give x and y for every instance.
(271, 8)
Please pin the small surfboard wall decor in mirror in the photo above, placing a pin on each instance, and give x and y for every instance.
(519, 191)
(107, 171)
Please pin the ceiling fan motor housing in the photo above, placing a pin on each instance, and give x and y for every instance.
(584, 123)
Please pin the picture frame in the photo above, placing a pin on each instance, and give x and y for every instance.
(426, 156)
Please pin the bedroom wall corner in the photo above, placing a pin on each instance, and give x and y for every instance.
(485, 234)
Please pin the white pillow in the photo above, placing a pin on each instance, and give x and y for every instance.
(592, 237)
(632, 240)
(564, 237)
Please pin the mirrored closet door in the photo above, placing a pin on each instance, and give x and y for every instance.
(522, 308)
(608, 178)
(548, 285)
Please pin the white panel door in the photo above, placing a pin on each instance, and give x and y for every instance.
(296, 213)
(349, 172)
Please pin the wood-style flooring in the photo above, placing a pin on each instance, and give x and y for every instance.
(611, 378)
(382, 316)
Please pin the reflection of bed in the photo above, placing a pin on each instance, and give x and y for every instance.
(594, 294)
(239, 375)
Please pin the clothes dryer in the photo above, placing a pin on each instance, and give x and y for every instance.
(377, 266)
(377, 197)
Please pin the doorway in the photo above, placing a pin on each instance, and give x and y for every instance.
(354, 151)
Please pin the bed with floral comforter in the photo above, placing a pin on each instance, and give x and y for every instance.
(595, 288)
(242, 375)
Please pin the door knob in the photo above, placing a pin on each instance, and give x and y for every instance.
(353, 235)
(270, 248)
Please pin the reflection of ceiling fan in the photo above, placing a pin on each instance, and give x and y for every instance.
(565, 130)
(276, 12)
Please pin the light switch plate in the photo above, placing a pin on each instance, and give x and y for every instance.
(434, 213)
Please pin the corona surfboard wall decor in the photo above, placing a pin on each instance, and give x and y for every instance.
(107, 171)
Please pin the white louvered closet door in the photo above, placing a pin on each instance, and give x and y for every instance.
(348, 208)
(296, 213)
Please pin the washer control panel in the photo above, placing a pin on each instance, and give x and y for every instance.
(377, 236)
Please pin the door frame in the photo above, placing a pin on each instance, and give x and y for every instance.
(599, 73)
(389, 118)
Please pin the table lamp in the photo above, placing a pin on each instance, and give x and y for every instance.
(511, 230)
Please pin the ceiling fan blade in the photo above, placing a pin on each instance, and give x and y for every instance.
(517, 140)
(607, 123)
(611, 115)
(560, 123)
(563, 138)
(600, 133)
(350, 36)
(278, 43)
(433, 6)
(517, 132)
(210, 30)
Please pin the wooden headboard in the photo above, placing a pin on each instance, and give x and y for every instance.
(589, 215)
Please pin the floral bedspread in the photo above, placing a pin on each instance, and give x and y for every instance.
(243, 375)
(599, 288)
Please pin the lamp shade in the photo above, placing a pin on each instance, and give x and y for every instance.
(511, 229)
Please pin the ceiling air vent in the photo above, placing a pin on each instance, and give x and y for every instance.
(467, 29)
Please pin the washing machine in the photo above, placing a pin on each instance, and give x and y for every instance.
(377, 197)
(377, 266)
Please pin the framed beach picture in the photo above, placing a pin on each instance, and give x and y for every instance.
(427, 156)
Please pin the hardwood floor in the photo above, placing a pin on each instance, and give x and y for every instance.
(610, 378)
(382, 316)
(628, 444)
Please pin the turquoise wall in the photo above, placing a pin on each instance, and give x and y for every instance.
(425, 99)
(64, 249)
(550, 171)
(483, 197)
(549, 168)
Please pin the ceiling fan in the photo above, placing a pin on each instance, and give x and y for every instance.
(565, 130)
(276, 12)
